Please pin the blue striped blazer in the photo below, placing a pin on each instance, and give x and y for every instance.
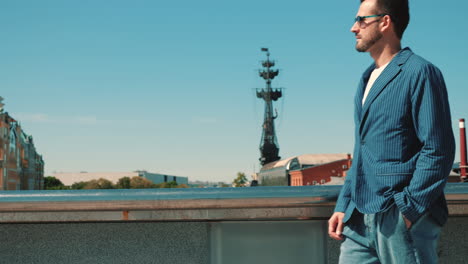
(404, 143)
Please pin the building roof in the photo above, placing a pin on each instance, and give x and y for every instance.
(306, 159)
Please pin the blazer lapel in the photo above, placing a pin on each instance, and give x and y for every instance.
(389, 73)
(385, 77)
(360, 92)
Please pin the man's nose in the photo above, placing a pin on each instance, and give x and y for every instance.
(355, 27)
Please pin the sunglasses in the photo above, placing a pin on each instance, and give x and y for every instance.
(360, 19)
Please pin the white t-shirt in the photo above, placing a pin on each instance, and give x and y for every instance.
(374, 75)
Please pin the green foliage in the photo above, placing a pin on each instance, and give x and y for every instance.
(240, 180)
(99, 184)
(78, 185)
(123, 183)
(138, 182)
(52, 183)
(171, 184)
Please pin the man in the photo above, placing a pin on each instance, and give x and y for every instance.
(392, 205)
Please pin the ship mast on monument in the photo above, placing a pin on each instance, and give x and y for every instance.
(269, 147)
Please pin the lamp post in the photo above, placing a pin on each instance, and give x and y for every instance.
(463, 167)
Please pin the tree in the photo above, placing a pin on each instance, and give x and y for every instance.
(52, 183)
(78, 185)
(171, 184)
(123, 183)
(240, 180)
(138, 182)
(100, 183)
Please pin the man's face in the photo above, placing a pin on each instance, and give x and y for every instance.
(367, 31)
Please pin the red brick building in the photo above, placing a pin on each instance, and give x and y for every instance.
(307, 169)
(21, 167)
(321, 173)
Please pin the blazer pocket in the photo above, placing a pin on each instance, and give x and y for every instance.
(398, 169)
(388, 183)
(395, 174)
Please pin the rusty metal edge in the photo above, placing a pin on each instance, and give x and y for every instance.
(250, 214)
(161, 204)
(294, 209)
(284, 202)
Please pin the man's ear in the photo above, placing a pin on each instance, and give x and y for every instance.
(386, 23)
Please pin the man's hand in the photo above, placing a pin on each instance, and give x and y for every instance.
(335, 226)
(407, 222)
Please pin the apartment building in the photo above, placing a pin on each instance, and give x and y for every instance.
(21, 167)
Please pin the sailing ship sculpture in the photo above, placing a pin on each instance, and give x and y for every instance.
(269, 148)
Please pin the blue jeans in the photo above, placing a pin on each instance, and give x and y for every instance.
(384, 238)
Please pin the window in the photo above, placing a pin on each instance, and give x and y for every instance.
(294, 164)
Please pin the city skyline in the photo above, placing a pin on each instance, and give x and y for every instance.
(170, 87)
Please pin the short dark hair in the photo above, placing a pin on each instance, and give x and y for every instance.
(398, 10)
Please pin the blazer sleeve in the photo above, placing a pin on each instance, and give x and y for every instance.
(345, 195)
(432, 124)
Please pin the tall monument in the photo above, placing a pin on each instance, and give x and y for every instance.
(269, 147)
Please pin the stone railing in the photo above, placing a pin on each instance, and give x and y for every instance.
(212, 225)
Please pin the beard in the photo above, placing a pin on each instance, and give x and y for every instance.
(365, 44)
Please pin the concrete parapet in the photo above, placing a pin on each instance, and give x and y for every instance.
(211, 225)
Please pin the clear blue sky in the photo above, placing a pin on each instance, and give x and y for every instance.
(167, 86)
